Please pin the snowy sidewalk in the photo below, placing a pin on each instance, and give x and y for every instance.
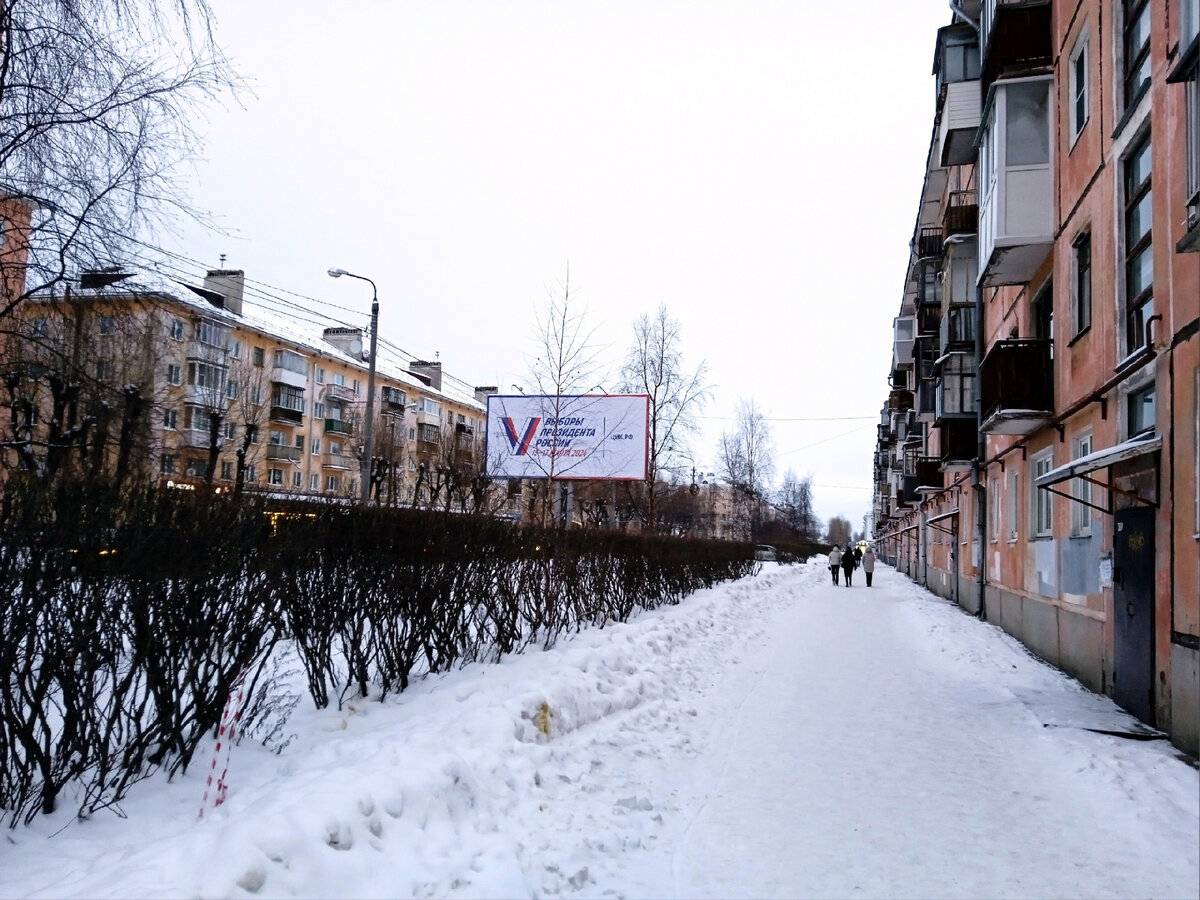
(780, 736)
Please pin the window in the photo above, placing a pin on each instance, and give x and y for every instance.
(319, 410)
(427, 432)
(431, 407)
(196, 468)
(258, 356)
(1043, 521)
(197, 418)
(170, 418)
(235, 349)
(277, 438)
(316, 446)
(332, 483)
(252, 473)
(104, 370)
(1082, 257)
(1140, 411)
(252, 433)
(1043, 313)
(256, 395)
(108, 325)
(319, 374)
(1079, 87)
(174, 373)
(1135, 46)
(314, 482)
(335, 449)
(227, 470)
(1139, 255)
(338, 379)
(356, 385)
(39, 327)
(300, 442)
(275, 476)
(206, 375)
(169, 463)
(212, 333)
(297, 478)
(228, 429)
(1014, 483)
(231, 389)
(1081, 515)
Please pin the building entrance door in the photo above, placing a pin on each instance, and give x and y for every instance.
(1133, 611)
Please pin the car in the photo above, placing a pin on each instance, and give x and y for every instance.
(765, 552)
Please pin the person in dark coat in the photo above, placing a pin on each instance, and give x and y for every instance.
(848, 563)
(857, 555)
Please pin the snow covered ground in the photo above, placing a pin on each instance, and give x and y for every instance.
(775, 737)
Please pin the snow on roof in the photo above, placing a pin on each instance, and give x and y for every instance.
(271, 324)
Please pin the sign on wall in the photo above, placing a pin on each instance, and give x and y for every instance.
(602, 436)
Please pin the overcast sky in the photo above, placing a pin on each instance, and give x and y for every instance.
(754, 166)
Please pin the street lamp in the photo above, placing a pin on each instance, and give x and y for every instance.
(369, 427)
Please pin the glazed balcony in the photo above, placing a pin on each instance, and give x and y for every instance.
(1017, 387)
(287, 415)
(338, 426)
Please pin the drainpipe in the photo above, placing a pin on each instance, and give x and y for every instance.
(978, 473)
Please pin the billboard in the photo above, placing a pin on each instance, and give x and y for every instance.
(570, 436)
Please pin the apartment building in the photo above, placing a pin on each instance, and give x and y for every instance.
(1038, 458)
(184, 384)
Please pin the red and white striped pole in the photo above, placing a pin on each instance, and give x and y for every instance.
(226, 735)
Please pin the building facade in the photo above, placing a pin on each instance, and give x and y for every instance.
(1039, 451)
(180, 384)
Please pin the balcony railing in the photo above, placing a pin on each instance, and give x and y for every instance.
(340, 392)
(338, 426)
(282, 451)
(958, 441)
(929, 320)
(929, 242)
(962, 213)
(929, 473)
(287, 414)
(1017, 386)
(900, 400)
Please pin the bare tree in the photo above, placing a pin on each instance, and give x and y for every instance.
(567, 365)
(796, 504)
(97, 103)
(654, 366)
(839, 531)
(746, 462)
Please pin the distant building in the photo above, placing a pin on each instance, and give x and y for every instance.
(1039, 454)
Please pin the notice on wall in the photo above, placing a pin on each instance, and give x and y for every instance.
(1106, 571)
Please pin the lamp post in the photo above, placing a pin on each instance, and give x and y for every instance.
(369, 426)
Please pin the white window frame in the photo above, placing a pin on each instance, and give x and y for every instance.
(275, 477)
(1080, 60)
(174, 373)
(1081, 515)
(177, 329)
(994, 498)
(314, 482)
(1041, 507)
(315, 447)
(171, 419)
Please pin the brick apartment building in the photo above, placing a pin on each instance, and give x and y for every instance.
(1038, 458)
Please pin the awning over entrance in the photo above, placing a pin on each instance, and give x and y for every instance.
(1101, 459)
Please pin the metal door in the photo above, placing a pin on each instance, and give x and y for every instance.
(1133, 611)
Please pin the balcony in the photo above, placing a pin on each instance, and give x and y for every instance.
(1016, 37)
(926, 398)
(339, 461)
(929, 242)
(958, 124)
(1017, 387)
(196, 438)
(929, 320)
(885, 435)
(1016, 204)
(955, 392)
(900, 400)
(338, 426)
(340, 392)
(958, 440)
(958, 329)
(929, 473)
(287, 415)
(282, 451)
(962, 212)
(393, 399)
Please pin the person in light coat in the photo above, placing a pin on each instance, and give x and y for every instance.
(868, 563)
(835, 560)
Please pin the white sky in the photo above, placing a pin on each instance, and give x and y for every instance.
(777, 736)
(755, 166)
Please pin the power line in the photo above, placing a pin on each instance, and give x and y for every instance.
(813, 419)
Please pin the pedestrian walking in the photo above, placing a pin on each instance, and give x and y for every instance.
(848, 563)
(857, 555)
(835, 560)
(868, 563)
